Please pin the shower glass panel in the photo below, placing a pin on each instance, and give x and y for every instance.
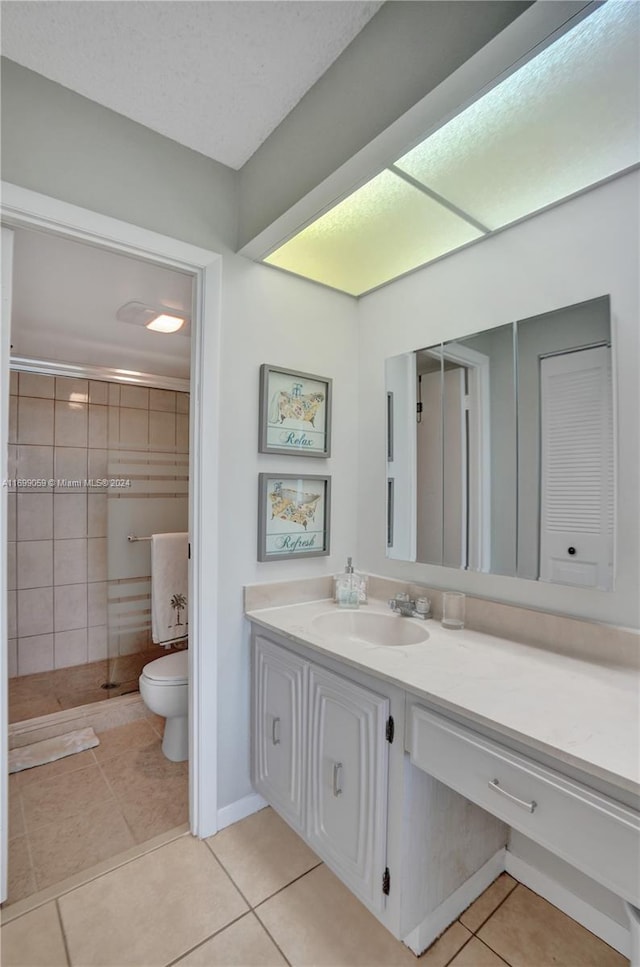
(147, 476)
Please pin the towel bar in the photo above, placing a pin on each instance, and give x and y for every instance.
(132, 537)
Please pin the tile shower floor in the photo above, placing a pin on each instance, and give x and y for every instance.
(47, 692)
(253, 895)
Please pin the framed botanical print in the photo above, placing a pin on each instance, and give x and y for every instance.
(293, 516)
(295, 412)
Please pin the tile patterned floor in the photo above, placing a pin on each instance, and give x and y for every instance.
(67, 815)
(47, 692)
(255, 895)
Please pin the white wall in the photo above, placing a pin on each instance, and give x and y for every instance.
(270, 317)
(585, 248)
(61, 144)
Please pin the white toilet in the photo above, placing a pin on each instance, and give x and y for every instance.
(165, 690)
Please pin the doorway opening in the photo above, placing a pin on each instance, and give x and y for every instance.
(46, 217)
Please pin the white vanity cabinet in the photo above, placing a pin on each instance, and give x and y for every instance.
(320, 757)
(415, 820)
(279, 729)
(592, 831)
(347, 781)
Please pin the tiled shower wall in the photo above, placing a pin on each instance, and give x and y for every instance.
(73, 599)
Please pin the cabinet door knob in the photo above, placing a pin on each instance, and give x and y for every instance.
(275, 731)
(337, 779)
(571, 550)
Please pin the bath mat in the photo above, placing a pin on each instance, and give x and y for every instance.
(50, 749)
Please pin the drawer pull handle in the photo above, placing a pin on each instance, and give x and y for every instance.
(275, 731)
(529, 806)
(337, 779)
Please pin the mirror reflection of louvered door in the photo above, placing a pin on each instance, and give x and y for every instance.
(576, 461)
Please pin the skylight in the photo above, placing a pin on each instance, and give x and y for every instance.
(565, 121)
(384, 229)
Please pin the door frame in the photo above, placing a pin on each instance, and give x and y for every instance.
(479, 496)
(23, 208)
(5, 350)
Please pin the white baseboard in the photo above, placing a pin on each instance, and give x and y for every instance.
(240, 809)
(600, 924)
(439, 919)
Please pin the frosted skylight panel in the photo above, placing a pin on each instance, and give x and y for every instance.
(566, 120)
(382, 230)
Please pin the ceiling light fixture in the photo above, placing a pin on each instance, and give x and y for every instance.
(158, 318)
(165, 323)
(565, 121)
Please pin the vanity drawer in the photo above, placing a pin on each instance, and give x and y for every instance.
(595, 834)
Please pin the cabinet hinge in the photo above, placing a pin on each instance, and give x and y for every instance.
(386, 881)
(390, 729)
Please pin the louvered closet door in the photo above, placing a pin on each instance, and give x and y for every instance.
(576, 513)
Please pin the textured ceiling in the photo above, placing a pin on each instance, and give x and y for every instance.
(213, 75)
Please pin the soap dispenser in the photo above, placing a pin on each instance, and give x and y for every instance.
(347, 588)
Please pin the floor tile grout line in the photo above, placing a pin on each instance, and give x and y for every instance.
(63, 931)
(495, 910)
(215, 933)
(226, 872)
(272, 939)
(81, 811)
(485, 944)
(112, 797)
(117, 800)
(453, 957)
(295, 880)
(27, 842)
(247, 913)
(60, 775)
(91, 879)
(262, 902)
(30, 853)
(253, 909)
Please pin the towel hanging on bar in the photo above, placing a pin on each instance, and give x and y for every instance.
(169, 588)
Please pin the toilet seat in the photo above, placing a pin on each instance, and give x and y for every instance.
(169, 670)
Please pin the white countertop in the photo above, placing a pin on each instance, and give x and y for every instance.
(584, 713)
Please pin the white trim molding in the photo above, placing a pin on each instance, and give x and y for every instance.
(443, 916)
(5, 350)
(240, 809)
(23, 208)
(54, 367)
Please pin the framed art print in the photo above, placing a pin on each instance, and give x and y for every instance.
(295, 412)
(293, 516)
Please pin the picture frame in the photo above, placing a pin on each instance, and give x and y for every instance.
(294, 516)
(295, 412)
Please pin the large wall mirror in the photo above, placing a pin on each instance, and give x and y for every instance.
(500, 450)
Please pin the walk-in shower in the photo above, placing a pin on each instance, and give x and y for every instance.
(92, 462)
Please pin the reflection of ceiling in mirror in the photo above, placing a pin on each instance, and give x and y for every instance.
(567, 120)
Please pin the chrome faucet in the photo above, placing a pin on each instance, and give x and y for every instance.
(406, 607)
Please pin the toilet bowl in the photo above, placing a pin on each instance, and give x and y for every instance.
(165, 690)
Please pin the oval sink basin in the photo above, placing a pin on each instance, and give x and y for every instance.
(370, 628)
